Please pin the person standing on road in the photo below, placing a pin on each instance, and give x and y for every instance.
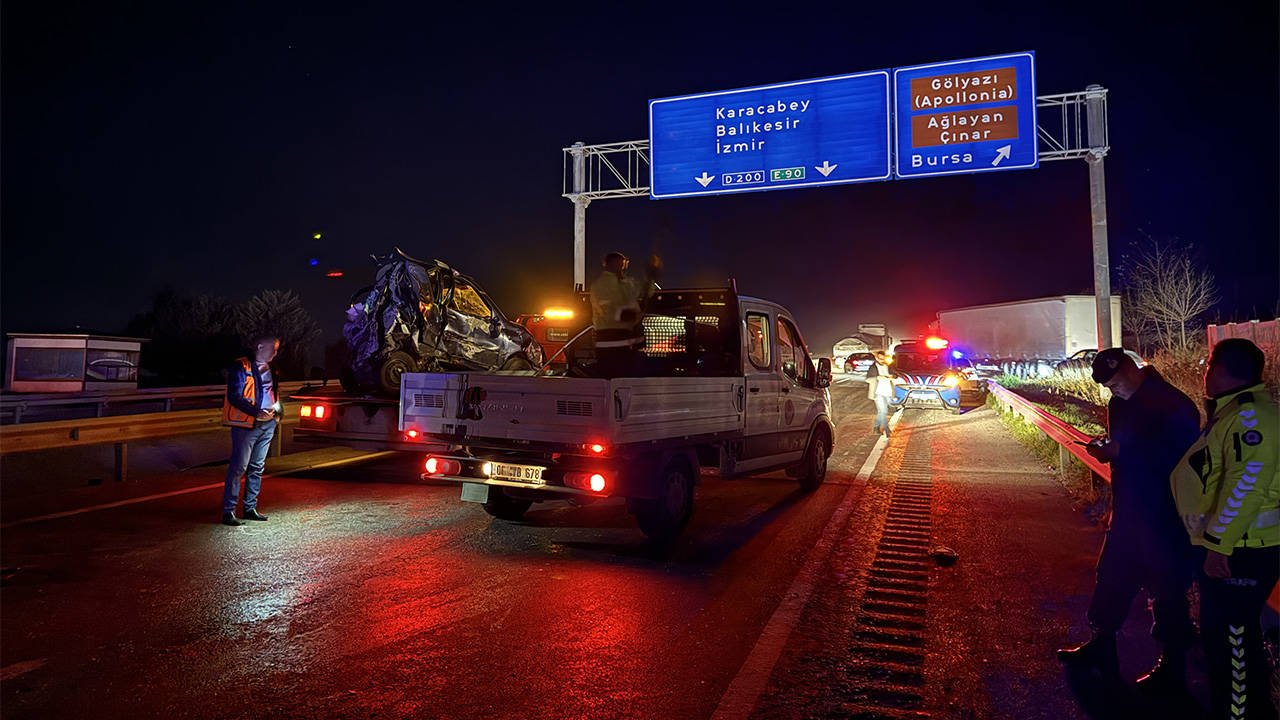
(251, 408)
(879, 390)
(1227, 489)
(1150, 423)
(617, 314)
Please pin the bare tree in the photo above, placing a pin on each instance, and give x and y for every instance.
(1166, 291)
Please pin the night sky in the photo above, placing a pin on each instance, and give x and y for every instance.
(202, 146)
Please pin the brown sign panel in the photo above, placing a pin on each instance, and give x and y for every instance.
(964, 126)
(970, 88)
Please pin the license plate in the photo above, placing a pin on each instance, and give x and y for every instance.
(554, 335)
(517, 473)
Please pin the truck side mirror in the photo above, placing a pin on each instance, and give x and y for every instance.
(824, 372)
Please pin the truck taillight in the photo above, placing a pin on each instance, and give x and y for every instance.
(411, 434)
(595, 448)
(593, 482)
(305, 411)
(320, 412)
(442, 466)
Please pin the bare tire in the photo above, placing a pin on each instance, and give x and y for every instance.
(662, 518)
(517, 362)
(396, 364)
(505, 507)
(813, 469)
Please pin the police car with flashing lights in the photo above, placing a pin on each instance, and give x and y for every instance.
(925, 376)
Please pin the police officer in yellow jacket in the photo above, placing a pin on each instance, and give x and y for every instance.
(1228, 492)
(617, 314)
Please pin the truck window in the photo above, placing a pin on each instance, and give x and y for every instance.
(795, 360)
(758, 340)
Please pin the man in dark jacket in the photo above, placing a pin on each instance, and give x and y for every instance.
(250, 408)
(1151, 424)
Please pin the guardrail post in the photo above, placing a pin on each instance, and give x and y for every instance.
(122, 461)
(1064, 461)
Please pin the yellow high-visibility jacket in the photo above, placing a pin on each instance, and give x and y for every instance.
(615, 301)
(1227, 486)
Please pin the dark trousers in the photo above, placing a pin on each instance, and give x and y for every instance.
(249, 447)
(623, 361)
(1239, 674)
(1131, 562)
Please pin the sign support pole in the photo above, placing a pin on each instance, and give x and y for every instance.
(1095, 98)
(579, 217)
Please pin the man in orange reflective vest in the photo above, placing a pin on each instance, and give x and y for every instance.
(250, 409)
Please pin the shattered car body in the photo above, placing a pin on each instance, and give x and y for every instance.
(425, 316)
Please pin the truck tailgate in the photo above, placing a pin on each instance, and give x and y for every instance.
(569, 410)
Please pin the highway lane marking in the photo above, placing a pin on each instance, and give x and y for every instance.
(198, 488)
(739, 701)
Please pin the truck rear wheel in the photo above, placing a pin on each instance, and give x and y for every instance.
(662, 518)
(505, 507)
(813, 468)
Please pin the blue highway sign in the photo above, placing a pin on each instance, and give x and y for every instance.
(966, 116)
(825, 131)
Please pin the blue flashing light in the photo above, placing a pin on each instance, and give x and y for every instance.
(957, 354)
(315, 262)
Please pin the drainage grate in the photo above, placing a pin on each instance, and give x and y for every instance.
(888, 641)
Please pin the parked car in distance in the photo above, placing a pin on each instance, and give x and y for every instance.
(1082, 361)
(858, 363)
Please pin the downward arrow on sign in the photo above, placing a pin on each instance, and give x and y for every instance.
(1002, 154)
(705, 180)
(825, 168)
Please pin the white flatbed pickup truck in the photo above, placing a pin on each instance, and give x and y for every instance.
(724, 381)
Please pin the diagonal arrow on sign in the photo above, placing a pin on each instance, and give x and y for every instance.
(825, 168)
(705, 180)
(1002, 153)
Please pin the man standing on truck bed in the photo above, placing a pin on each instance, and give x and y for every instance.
(617, 314)
(250, 409)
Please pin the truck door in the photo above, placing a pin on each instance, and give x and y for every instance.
(798, 390)
(763, 385)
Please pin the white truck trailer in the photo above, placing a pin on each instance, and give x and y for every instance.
(1051, 328)
(725, 382)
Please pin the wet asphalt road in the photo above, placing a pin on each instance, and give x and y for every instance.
(371, 594)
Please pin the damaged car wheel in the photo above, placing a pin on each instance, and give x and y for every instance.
(517, 362)
(396, 364)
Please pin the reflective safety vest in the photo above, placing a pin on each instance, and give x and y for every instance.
(232, 415)
(1227, 486)
(615, 303)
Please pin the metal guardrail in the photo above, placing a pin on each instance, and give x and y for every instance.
(120, 430)
(15, 405)
(1057, 430)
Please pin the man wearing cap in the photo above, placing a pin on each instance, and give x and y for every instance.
(617, 314)
(1150, 425)
(1228, 492)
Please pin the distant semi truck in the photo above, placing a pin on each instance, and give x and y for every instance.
(1052, 328)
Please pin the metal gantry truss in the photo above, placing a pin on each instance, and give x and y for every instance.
(615, 170)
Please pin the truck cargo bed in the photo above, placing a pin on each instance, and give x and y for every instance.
(563, 410)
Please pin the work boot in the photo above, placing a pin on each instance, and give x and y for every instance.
(1168, 677)
(254, 515)
(1098, 653)
(230, 519)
